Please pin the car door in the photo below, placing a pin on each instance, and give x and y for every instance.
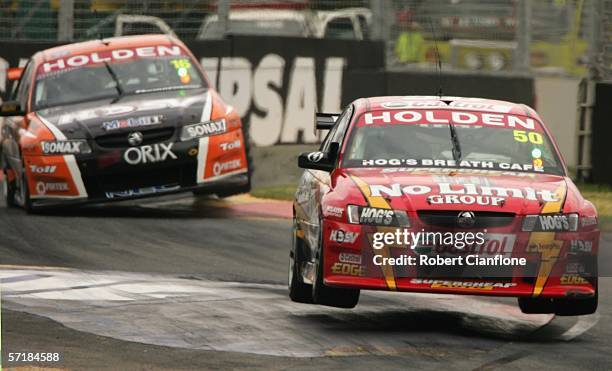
(314, 184)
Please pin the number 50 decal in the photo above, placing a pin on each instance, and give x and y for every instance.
(524, 137)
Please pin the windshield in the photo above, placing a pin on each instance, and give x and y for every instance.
(499, 142)
(127, 71)
(273, 27)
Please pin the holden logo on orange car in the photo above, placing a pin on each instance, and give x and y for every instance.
(135, 138)
(315, 156)
(466, 219)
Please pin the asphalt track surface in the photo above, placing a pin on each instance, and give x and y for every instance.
(186, 283)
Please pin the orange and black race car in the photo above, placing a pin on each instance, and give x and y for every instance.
(116, 119)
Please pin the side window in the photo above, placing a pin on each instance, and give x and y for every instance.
(25, 83)
(365, 28)
(336, 134)
(340, 28)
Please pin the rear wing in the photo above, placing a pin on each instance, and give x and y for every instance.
(325, 121)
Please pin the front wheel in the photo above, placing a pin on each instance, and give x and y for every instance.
(299, 291)
(560, 307)
(326, 295)
(9, 188)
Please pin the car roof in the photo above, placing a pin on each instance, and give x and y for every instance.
(443, 103)
(104, 44)
(265, 14)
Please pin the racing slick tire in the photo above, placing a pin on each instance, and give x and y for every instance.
(326, 295)
(576, 307)
(9, 189)
(560, 307)
(299, 291)
(24, 189)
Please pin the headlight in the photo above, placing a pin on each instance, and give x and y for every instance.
(203, 129)
(550, 223)
(375, 216)
(65, 147)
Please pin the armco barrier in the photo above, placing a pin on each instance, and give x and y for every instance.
(276, 83)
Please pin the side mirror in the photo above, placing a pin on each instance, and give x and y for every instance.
(14, 74)
(11, 108)
(320, 160)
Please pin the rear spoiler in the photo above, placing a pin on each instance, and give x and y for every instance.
(325, 121)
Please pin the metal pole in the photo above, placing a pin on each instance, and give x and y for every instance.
(223, 14)
(65, 21)
(596, 8)
(523, 36)
(378, 19)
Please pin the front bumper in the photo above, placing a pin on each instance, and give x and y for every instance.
(211, 164)
(556, 263)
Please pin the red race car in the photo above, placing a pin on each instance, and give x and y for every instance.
(442, 195)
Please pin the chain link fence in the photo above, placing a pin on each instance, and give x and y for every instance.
(548, 36)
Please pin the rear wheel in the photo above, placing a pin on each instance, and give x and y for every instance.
(9, 188)
(298, 290)
(326, 295)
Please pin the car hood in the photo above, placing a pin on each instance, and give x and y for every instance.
(414, 189)
(142, 112)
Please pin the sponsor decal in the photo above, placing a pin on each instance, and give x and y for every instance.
(494, 244)
(340, 236)
(468, 164)
(580, 246)
(348, 269)
(44, 169)
(555, 223)
(587, 221)
(141, 191)
(573, 279)
(61, 147)
(149, 154)
(334, 211)
(480, 285)
(44, 187)
(397, 190)
(228, 146)
(445, 117)
(80, 60)
(221, 167)
(574, 267)
(442, 171)
(349, 258)
(473, 104)
(374, 216)
(466, 200)
(204, 129)
(132, 122)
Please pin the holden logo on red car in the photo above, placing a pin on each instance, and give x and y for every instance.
(315, 156)
(135, 138)
(466, 219)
